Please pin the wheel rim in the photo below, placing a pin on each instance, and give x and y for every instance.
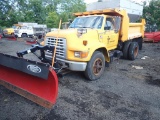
(97, 66)
(136, 52)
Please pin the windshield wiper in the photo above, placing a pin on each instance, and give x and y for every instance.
(85, 27)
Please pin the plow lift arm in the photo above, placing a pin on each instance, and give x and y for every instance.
(34, 49)
(36, 81)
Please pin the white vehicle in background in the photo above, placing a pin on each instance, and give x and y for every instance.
(31, 30)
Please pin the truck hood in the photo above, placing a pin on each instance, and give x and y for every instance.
(71, 34)
(9, 29)
(62, 33)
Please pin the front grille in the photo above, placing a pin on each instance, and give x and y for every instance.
(61, 47)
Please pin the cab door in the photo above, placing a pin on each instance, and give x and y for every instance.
(110, 37)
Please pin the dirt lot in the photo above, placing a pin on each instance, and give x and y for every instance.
(122, 93)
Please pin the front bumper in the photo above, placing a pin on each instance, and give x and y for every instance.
(71, 65)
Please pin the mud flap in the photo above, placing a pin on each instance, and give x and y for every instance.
(20, 76)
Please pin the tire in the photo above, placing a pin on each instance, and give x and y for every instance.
(133, 51)
(24, 35)
(92, 72)
(126, 49)
(140, 43)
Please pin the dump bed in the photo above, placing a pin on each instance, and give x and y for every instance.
(136, 30)
(128, 30)
(133, 9)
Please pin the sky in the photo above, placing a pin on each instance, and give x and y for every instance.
(90, 1)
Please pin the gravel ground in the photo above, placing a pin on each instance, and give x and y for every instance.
(122, 93)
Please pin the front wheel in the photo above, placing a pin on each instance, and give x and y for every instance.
(95, 67)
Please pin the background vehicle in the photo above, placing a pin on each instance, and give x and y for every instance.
(152, 36)
(94, 38)
(8, 31)
(30, 30)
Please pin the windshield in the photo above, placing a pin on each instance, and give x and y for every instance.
(24, 27)
(87, 22)
(15, 27)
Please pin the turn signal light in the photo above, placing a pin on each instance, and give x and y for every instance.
(84, 54)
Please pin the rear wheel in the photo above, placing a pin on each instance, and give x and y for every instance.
(140, 43)
(24, 35)
(95, 67)
(133, 50)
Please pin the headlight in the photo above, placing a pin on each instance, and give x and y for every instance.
(80, 54)
(77, 54)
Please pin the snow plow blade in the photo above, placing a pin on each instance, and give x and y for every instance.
(35, 81)
(11, 37)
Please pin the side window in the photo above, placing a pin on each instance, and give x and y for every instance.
(109, 25)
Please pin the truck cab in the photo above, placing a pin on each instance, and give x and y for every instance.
(87, 43)
(103, 25)
(24, 31)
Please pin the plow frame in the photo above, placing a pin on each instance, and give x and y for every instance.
(36, 81)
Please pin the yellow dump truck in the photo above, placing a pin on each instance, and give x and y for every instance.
(94, 38)
(10, 31)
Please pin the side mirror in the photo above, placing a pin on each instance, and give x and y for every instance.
(107, 28)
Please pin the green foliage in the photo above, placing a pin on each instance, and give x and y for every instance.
(52, 20)
(151, 13)
(41, 11)
(7, 13)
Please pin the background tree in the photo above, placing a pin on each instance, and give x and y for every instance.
(151, 13)
(52, 20)
(40, 11)
(71, 6)
(6, 13)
